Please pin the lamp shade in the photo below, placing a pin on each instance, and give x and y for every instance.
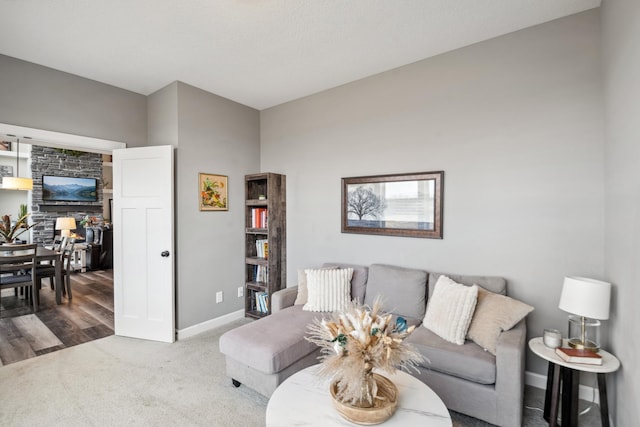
(65, 223)
(15, 183)
(585, 297)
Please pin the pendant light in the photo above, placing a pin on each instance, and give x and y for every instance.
(17, 183)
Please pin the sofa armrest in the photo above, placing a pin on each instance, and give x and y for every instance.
(510, 360)
(283, 298)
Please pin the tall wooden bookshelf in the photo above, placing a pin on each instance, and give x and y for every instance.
(265, 241)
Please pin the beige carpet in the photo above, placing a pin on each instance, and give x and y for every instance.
(118, 381)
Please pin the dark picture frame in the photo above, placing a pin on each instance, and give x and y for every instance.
(407, 205)
(5, 145)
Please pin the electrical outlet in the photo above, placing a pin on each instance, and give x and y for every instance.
(218, 297)
(240, 291)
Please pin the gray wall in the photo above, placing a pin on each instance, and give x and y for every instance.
(621, 39)
(516, 124)
(219, 136)
(162, 116)
(43, 98)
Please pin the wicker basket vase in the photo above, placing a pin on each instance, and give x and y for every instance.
(384, 405)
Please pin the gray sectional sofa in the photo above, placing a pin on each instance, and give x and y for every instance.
(469, 380)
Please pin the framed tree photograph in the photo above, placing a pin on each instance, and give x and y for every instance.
(213, 192)
(408, 205)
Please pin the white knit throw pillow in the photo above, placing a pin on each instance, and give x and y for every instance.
(303, 294)
(450, 309)
(329, 290)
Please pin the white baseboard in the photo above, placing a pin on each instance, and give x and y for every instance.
(540, 381)
(208, 325)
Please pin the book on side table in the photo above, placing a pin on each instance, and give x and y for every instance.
(574, 355)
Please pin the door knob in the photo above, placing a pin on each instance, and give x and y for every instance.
(164, 254)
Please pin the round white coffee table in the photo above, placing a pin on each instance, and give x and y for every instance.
(304, 399)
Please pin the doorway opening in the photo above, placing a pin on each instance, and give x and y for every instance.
(89, 314)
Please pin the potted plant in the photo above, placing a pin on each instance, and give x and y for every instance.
(9, 232)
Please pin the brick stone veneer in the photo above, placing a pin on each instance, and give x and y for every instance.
(52, 161)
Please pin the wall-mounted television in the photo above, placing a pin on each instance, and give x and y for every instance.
(69, 189)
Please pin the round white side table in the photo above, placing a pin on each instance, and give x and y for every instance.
(304, 399)
(565, 376)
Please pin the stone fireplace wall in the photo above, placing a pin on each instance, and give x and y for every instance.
(52, 161)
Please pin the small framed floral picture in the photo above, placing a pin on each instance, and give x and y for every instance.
(213, 192)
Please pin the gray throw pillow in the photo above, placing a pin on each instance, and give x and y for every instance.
(403, 289)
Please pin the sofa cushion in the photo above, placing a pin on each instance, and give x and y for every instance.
(272, 343)
(450, 309)
(494, 313)
(358, 281)
(403, 289)
(468, 361)
(303, 292)
(329, 289)
(494, 284)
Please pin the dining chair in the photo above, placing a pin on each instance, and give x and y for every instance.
(49, 271)
(67, 268)
(59, 243)
(18, 269)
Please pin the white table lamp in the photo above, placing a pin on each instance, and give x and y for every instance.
(65, 224)
(588, 301)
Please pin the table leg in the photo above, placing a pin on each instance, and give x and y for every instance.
(552, 395)
(604, 403)
(83, 260)
(547, 392)
(59, 284)
(570, 383)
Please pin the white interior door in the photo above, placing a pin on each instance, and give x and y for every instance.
(143, 259)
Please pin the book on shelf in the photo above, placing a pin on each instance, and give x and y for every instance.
(261, 273)
(259, 217)
(262, 248)
(574, 355)
(262, 302)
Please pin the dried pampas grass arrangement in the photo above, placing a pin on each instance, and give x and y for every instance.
(356, 341)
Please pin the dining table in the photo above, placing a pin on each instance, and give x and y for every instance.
(55, 258)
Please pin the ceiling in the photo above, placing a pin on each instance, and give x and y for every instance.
(259, 53)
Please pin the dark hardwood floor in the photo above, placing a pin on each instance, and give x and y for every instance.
(86, 317)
